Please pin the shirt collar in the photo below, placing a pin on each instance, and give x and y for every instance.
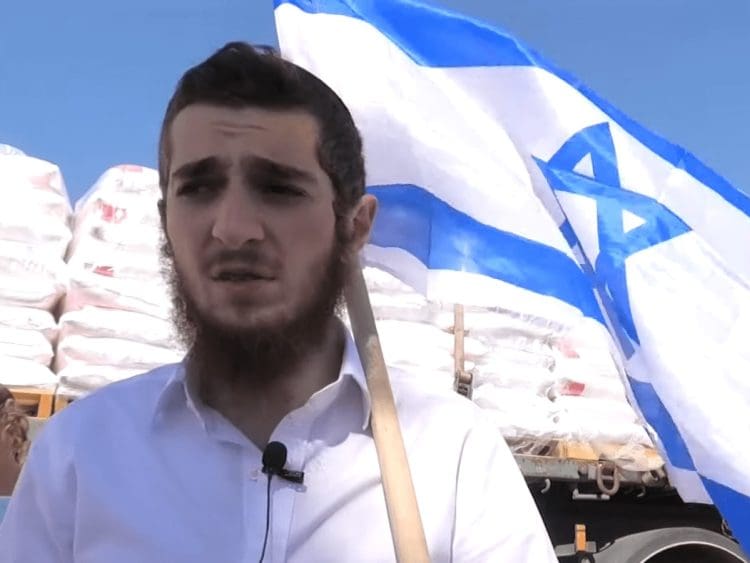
(175, 393)
(351, 366)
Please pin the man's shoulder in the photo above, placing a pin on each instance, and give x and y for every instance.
(440, 423)
(431, 398)
(421, 386)
(133, 398)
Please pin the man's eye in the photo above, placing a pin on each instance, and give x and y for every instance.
(283, 190)
(194, 189)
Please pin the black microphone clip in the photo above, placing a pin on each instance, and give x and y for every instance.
(274, 459)
(292, 476)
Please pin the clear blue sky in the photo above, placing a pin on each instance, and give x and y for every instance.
(84, 84)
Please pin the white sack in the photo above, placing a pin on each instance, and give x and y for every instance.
(79, 379)
(112, 352)
(113, 323)
(590, 387)
(511, 375)
(518, 413)
(30, 278)
(149, 297)
(25, 345)
(15, 372)
(583, 408)
(500, 324)
(29, 319)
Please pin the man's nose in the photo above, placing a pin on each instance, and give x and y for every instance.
(238, 219)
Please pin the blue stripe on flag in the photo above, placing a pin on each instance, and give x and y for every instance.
(734, 507)
(411, 26)
(658, 417)
(436, 37)
(443, 238)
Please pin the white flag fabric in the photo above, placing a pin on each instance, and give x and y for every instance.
(503, 180)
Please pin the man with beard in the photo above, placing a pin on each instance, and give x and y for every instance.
(263, 210)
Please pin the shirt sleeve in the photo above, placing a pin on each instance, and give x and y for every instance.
(38, 524)
(496, 518)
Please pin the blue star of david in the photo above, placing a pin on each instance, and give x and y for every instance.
(616, 244)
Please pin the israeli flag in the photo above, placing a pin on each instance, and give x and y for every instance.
(502, 179)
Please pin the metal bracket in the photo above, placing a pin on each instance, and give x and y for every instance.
(588, 496)
(463, 383)
(607, 472)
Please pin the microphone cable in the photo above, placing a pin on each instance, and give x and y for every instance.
(268, 517)
(274, 458)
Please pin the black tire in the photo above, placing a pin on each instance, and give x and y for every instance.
(657, 545)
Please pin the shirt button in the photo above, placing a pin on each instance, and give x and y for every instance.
(255, 474)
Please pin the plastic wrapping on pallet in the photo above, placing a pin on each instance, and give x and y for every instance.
(597, 387)
(25, 373)
(129, 354)
(500, 324)
(79, 379)
(502, 351)
(380, 281)
(408, 345)
(421, 339)
(25, 344)
(507, 374)
(116, 260)
(586, 408)
(38, 213)
(97, 322)
(116, 277)
(114, 257)
(115, 318)
(583, 427)
(34, 234)
(413, 308)
(28, 318)
(92, 288)
(539, 379)
(519, 413)
(424, 379)
(393, 300)
(127, 222)
(29, 278)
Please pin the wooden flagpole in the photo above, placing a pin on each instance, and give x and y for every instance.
(400, 499)
(462, 381)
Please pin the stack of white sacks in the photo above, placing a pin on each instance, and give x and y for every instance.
(115, 321)
(34, 233)
(538, 379)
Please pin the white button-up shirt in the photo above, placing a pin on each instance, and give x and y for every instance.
(141, 472)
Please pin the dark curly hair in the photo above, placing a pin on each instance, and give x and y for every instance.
(241, 75)
(13, 421)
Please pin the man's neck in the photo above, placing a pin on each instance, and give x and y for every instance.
(256, 403)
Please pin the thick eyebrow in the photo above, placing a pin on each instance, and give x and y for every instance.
(202, 167)
(277, 170)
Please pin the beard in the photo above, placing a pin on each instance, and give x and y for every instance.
(256, 354)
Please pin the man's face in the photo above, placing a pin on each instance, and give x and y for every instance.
(249, 217)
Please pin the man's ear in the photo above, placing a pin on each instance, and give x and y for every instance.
(167, 244)
(363, 218)
(162, 205)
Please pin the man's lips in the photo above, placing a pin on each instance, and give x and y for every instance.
(240, 273)
(237, 277)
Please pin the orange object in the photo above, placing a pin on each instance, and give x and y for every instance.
(580, 541)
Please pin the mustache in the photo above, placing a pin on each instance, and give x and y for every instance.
(249, 257)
